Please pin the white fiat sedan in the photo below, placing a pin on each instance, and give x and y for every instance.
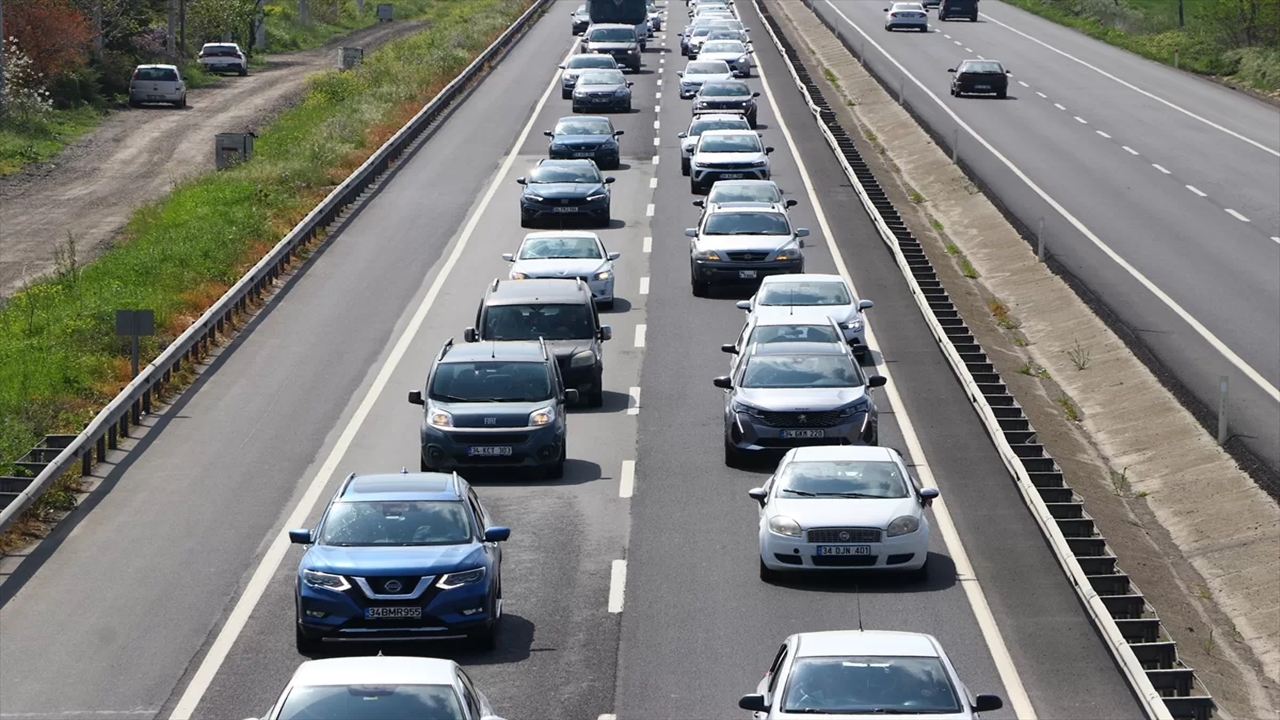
(844, 507)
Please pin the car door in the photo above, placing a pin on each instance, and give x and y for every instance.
(741, 345)
(470, 701)
(493, 550)
(768, 686)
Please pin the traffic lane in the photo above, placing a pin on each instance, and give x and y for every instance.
(260, 411)
(698, 631)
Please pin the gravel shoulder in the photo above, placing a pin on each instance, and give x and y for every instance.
(137, 156)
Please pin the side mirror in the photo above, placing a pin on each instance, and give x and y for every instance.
(301, 536)
(768, 150)
(753, 702)
(729, 349)
(951, 70)
(470, 335)
(415, 397)
(744, 305)
(802, 232)
(609, 180)
(681, 74)
(927, 496)
(987, 703)
(758, 494)
(700, 203)
(876, 381)
(755, 94)
(548, 133)
(497, 533)
(614, 255)
(521, 181)
(865, 304)
(886, 9)
(561, 65)
(606, 332)
(723, 382)
(629, 83)
(509, 257)
(1008, 72)
(619, 133)
(682, 135)
(691, 232)
(571, 396)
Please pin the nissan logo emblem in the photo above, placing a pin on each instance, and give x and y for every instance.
(394, 586)
(843, 536)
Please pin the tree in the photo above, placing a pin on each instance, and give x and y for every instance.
(209, 20)
(53, 33)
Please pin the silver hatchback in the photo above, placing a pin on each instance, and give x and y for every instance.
(157, 84)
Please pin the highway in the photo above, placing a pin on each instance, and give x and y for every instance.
(1177, 175)
(172, 597)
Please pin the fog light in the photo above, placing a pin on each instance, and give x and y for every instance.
(547, 451)
(435, 452)
(316, 613)
(472, 611)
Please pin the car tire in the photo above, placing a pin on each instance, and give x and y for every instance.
(566, 94)
(920, 574)
(423, 466)
(627, 109)
(1001, 95)
(684, 166)
(751, 121)
(556, 472)
(244, 72)
(487, 638)
(134, 103)
(973, 18)
(606, 218)
(732, 456)
(306, 643)
(525, 220)
(698, 287)
(595, 398)
(770, 576)
(181, 103)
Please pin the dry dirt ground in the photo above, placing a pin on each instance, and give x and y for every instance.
(1199, 539)
(136, 156)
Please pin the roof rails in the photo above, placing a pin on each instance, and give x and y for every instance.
(542, 343)
(444, 350)
(494, 286)
(342, 489)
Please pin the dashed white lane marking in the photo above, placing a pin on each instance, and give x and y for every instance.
(1276, 238)
(946, 36)
(655, 159)
(657, 108)
(957, 42)
(1160, 168)
(633, 401)
(653, 183)
(1081, 120)
(640, 330)
(1103, 134)
(648, 211)
(607, 717)
(1129, 150)
(657, 124)
(627, 481)
(648, 244)
(968, 50)
(617, 585)
(981, 58)
(660, 69)
(658, 95)
(1236, 215)
(1023, 84)
(1046, 97)
(1197, 191)
(657, 141)
(644, 285)
(1060, 106)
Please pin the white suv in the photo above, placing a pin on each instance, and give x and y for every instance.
(223, 57)
(727, 155)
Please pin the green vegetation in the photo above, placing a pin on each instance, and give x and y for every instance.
(60, 359)
(286, 32)
(28, 142)
(1236, 39)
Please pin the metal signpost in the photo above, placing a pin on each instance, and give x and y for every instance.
(135, 324)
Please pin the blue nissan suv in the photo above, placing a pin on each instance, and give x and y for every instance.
(407, 556)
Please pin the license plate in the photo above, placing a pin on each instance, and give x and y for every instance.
(732, 176)
(155, 97)
(843, 550)
(600, 101)
(489, 450)
(396, 613)
(746, 274)
(584, 154)
(804, 433)
(981, 87)
(559, 210)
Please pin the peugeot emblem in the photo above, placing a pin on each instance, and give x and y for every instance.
(491, 421)
(844, 536)
(394, 586)
(802, 417)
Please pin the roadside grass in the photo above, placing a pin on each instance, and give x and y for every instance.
(36, 139)
(60, 360)
(286, 33)
(1150, 28)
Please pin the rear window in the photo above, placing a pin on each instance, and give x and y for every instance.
(219, 51)
(156, 74)
(530, 322)
(984, 67)
(612, 35)
(592, 60)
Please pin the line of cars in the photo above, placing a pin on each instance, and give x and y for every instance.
(154, 84)
(973, 76)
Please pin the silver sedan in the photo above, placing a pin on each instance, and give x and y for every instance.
(566, 254)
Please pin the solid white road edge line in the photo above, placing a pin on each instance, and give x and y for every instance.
(1135, 88)
(1245, 368)
(627, 481)
(617, 585)
(257, 586)
(1017, 694)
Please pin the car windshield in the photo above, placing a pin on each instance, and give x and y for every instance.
(725, 89)
(591, 60)
(707, 67)
(793, 333)
(702, 30)
(542, 248)
(565, 174)
(219, 50)
(491, 380)
(724, 46)
(983, 66)
(722, 34)
(723, 192)
(582, 10)
(403, 522)
(856, 478)
(802, 292)
(745, 142)
(583, 127)
(743, 223)
(372, 702)
(602, 77)
(800, 371)
(869, 685)
(156, 74)
(530, 322)
(917, 7)
(697, 127)
(612, 35)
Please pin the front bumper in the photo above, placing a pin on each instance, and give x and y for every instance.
(857, 339)
(748, 433)
(603, 104)
(601, 155)
(446, 614)
(581, 209)
(904, 552)
(981, 88)
(527, 447)
(707, 176)
(725, 272)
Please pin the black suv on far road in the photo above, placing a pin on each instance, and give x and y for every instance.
(562, 313)
(500, 405)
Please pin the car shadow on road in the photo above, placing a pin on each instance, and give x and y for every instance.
(620, 305)
(515, 640)
(942, 575)
(576, 472)
(613, 402)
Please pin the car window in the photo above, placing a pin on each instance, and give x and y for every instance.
(742, 336)
(583, 127)
(723, 46)
(725, 89)
(765, 334)
(219, 50)
(745, 142)
(530, 322)
(697, 127)
(373, 523)
(372, 702)
(748, 192)
(858, 685)
(616, 35)
(602, 77)
(707, 67)
(804, 293)
(982, 66)
(800, 371)
(491, 380)
(482, 516)
(577, 173)
(156, 74)
(591, 60)
(778, 660)
(469, 698)
(723, 35)
(577, 248)
(702, 30)
(753, 223)
(864, 478)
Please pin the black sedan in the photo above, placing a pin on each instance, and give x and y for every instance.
(590, 137)
(565, 189)
(581, 20)
(980, 77)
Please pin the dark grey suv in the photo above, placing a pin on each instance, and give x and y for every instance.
(494, 406)
(562, 313)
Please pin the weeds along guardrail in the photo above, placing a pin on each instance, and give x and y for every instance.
(60, 455)
(1165, 687)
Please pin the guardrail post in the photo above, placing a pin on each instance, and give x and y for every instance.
(902, 90)
(124, 425)
(112, 442)
(102, 447)
(135, 412)
(1040, 242)
(955, 145)
(86, 463)
(1222, 410)
(146, 401)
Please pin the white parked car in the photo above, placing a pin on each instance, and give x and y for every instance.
(735, 53)
(384, 687)
(697, 72)
(223, 57)
(842, 507)
(157, 84)
(813, 297)
(847, 674)
(910, 15)
(566, 254)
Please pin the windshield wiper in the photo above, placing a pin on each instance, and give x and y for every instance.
(854, 495)
(802, 493)
(449, 398)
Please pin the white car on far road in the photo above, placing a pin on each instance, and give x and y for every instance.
(907, 15)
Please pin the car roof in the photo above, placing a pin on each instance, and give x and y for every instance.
(576, 118)
(562, 234)
(714, 83)
(511, 292)
(505, 351)
(799, 348)
(801, 277)
(611, 25)
(844, 452)
(783, 319)
(743, 204)
(375, 670)
(718, 116)
(729, 132)
(734, 183)
(837, 643)
(573, 162)
(403, 486)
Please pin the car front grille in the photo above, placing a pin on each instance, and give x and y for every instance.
(732, 165)
(713, 105)
(491, 438)
(750, 257)
(844, 560)
(844, 535)
(583, 148)
(823, 419)
(406, 584)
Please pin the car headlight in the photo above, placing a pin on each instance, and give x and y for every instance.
(439, 418)
(542, 416)
(702, 103)
(604, 275)
(458, 579)
(583, 359)
(854, 409)
(325, 580)
(706, 255)
(622, 92)
(740, 407)
(535, 198)
(904, 525)
(631, 52)
(519, 275)
(559, 146)
(782, 525)
(597, 196)
(790, 252)
(854, 324)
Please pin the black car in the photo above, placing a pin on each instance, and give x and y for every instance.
(565, 189)
(727, 96)
(953, 9)
(560, 312)
(581, 19)
(929, 3)
(585, 137)
(500, 405)
(980, 77)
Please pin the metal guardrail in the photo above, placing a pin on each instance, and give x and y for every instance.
(104, 432)
(1127, 623)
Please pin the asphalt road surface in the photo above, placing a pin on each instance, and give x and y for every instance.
(168, 599)
(1179, 176)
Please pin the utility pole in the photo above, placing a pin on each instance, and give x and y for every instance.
(182, 27)
(97, 28)
(303, 15)
(1181, 19)
(170, 45)
(3, 46)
